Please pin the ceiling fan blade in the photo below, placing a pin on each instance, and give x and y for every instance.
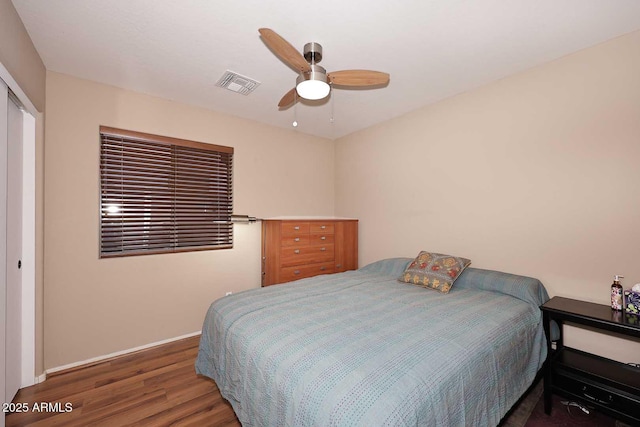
(358, 78)
(284, 50)
(288, 99)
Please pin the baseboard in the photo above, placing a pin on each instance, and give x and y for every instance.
(98, 359)
(40, 378)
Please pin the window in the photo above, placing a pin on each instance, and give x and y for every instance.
(162, 194)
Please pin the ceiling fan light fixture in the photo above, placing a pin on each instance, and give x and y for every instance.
(313, 84)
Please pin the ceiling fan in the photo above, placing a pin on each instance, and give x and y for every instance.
(314, 82)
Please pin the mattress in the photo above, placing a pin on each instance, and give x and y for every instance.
(361, 348)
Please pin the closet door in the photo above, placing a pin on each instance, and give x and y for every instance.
(10, 246)
(14, 251)
(3, 241)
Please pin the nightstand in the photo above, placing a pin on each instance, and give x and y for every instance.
(610, 387)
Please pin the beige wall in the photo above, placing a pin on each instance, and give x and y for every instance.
(19, 56)
(95, 307)
(537, 174)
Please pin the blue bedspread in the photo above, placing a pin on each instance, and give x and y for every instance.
(362, 349)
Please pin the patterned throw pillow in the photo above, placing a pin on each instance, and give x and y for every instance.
(436, 271)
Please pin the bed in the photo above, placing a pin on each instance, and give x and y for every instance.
(361, 348)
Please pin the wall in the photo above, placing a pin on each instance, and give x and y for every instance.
(95, 307)
(536, 174)
(19, 56)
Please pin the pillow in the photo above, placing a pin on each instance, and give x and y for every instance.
(388, 267)
(435, 271)
(524, 288)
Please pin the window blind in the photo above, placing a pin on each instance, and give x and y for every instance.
(161, 194)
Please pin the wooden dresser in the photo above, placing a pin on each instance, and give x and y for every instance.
(296, 248)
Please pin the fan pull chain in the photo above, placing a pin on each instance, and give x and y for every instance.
(331, 119)
(295, 110)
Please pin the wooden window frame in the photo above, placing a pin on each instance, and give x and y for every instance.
(163, 195)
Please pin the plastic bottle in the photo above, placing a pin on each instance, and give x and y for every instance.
(616, 293)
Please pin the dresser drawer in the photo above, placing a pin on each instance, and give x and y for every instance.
(593, 392)
(321, 228)
(295, 228)
(293, 240)
(321, 239)
(292, 255)
(294, 273)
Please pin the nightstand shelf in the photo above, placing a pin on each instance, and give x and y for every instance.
(609, 386)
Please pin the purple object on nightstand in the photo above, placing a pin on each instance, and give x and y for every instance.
(632, 301)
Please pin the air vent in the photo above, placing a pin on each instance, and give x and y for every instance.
(237, 83)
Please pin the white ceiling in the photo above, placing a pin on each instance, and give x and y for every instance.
(433, 49)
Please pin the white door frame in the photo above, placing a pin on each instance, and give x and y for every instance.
(4, 162)
(28, 376)
(28, 250)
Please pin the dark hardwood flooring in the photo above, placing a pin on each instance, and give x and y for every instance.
(153, 387)
(159, 387)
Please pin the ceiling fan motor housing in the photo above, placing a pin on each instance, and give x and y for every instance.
(317, 73)
(313, 52)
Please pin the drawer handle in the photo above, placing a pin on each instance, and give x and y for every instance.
(323, 249)
(323, 238)
(338, 265)
(296, 272)
(602, 402)
(297, 239)
(297, 251)
(323, 268)
(322, 227)
(595, 399)
(297, 227)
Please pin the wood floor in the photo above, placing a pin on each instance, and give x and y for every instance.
(154, 387)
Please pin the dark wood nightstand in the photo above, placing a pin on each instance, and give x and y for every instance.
(611, 387)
